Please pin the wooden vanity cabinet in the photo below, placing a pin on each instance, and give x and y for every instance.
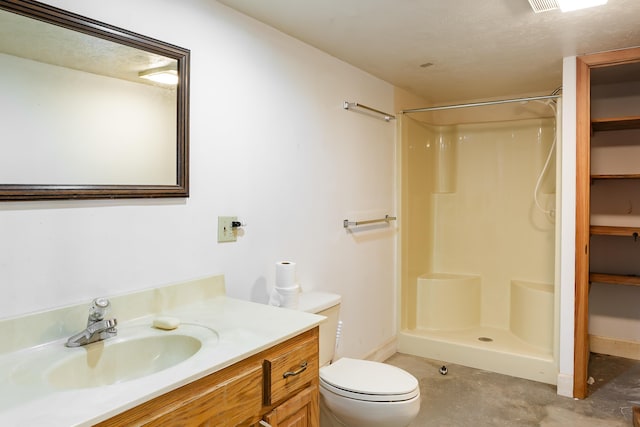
(278, 385)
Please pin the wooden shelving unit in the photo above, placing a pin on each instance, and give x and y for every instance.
(596, 241)
(604, 125)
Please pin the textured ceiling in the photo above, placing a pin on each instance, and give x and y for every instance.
(478, 49)
(32, 39)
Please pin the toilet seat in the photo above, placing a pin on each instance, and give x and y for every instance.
(368, 381)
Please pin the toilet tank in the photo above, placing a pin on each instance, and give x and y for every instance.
(328, 305)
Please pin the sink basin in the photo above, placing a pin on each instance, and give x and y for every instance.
(104, 363)
(136, 352)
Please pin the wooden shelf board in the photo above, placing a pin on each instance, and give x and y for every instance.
(615, 279)
(603, 230)
(615, 123)
(616, 176)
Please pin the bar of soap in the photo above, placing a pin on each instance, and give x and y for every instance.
(166, 322)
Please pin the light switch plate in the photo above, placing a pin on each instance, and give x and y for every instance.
(226, 233)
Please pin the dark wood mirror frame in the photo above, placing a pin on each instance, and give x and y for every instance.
(62, 18)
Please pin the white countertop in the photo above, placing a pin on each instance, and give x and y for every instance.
(243, 328)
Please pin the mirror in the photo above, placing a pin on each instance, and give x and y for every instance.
(82, 117)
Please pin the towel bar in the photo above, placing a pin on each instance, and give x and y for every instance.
(346, 223)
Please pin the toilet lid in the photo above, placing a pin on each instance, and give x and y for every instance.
(366, 380)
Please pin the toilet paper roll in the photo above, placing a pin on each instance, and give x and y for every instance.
(285, 274)
(285, 297)
(288, 297)
(274, 298)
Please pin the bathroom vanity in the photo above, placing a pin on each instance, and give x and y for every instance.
(278, 385)
(228, 362)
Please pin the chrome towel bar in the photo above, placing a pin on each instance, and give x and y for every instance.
(346, 223)
(354, 105)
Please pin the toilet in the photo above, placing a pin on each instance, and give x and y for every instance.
(353, 392)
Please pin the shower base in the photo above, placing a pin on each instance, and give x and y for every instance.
(491, 349)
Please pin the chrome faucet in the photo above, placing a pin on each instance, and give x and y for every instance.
(98, 328)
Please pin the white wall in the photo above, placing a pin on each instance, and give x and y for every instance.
(270, 143)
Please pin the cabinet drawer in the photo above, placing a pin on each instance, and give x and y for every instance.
(226, 398)
(290, 370)
(300, 410)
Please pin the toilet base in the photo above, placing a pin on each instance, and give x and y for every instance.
(336, 411)
(327, 419)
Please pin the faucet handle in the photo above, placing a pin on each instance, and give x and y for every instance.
(98, 309)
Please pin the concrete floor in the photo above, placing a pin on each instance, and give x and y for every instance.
(468, 397)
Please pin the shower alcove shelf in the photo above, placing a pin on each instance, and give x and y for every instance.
(610, 226)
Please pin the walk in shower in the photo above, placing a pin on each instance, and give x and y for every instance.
(478, 240)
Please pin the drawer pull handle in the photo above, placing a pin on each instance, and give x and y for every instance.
(303, 367)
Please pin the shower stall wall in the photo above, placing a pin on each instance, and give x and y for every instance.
(477, 255)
